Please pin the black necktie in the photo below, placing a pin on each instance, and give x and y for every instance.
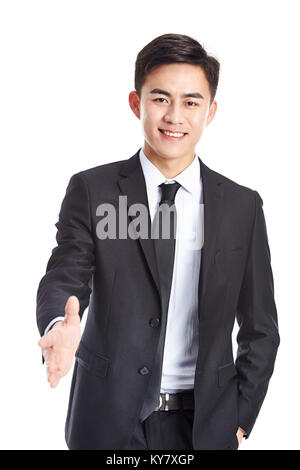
(164, 234)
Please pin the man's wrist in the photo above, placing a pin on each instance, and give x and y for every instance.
(50, 325)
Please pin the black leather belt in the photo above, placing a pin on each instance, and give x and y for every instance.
(176, 401)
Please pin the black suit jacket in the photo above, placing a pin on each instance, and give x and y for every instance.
(118, 279)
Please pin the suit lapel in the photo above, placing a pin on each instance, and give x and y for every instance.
(213, 201)
(134, 187)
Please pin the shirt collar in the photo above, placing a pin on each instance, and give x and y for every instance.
(188, 178)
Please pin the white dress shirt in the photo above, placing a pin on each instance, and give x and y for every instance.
(182, 333)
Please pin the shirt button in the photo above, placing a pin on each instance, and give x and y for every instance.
(144, 371)
(154, 322)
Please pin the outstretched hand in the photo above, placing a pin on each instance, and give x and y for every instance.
(61, 342)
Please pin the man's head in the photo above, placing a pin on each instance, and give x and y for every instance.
(175, 87)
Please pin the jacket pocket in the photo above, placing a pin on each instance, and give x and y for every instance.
(225, 373)
(92, 361)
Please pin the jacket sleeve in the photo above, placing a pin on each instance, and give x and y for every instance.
(72, 263)
(258, 337)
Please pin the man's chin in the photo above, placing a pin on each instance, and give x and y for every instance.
(166, 151)
(171, 154)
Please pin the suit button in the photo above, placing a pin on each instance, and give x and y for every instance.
(154, 322)
(144, 371)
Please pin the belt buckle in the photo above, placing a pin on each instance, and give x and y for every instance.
(166, 402)
(160, 402)
(163, 403)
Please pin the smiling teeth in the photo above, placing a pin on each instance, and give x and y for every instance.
(173, 134)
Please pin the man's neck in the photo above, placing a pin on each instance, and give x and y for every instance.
(169, 167)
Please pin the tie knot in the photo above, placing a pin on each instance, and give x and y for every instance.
(168, 192)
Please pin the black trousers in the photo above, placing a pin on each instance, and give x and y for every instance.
(164, 430)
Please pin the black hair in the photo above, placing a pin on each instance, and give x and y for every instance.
(175, 48)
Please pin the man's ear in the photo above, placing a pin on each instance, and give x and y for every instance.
(211, 112)
(134, 103)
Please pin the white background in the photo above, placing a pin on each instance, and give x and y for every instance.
(67, 68)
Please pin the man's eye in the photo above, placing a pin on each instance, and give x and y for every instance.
(190, 103)
(157, 99)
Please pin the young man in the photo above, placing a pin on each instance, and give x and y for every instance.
(154, 368)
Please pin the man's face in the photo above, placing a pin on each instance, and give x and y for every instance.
(174, 98)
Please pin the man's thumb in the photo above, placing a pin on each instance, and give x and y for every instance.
(72, 311)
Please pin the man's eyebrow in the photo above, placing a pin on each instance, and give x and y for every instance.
(186, 95)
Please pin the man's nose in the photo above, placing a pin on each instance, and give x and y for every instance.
(174, 114)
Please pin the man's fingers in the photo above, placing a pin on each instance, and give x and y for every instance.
(54, 373)
(53, 379)
(72, 311)
(54, 383)
(57, 367)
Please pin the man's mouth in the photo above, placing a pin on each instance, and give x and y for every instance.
(172, 134)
